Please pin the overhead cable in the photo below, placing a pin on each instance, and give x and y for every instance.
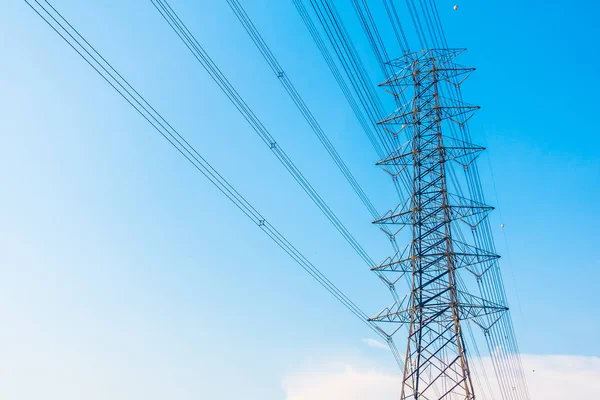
(70, 35)
(217, 75)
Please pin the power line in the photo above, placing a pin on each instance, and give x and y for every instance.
(396, 25)
(356, 72)
(85, 50)
(354, 105)
(216, 74)
(279, 72)
(201, 56)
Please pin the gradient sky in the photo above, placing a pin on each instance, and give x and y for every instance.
(127, 275)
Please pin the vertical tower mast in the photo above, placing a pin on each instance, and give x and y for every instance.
(436, 364)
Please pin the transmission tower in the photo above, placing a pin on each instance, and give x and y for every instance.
(436, 363)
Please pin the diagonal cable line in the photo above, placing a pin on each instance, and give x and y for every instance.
(200, 54)
(279, 72)
(216, 74)
(85, 50)
(204, 59)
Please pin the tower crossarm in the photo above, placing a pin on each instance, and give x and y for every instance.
(454, 150)
(463, 256)
(468, 211)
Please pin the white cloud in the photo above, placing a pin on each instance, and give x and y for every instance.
(375, 343)
(341, 381)
(555, 377)
(562, 377)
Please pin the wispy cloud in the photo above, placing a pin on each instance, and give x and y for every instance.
(550, 377)
(375, 343)
(341, 381)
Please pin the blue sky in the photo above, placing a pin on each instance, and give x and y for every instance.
(122, 265)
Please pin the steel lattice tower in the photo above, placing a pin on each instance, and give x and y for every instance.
(436, 364)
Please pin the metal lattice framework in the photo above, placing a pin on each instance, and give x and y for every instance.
(436, 364)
